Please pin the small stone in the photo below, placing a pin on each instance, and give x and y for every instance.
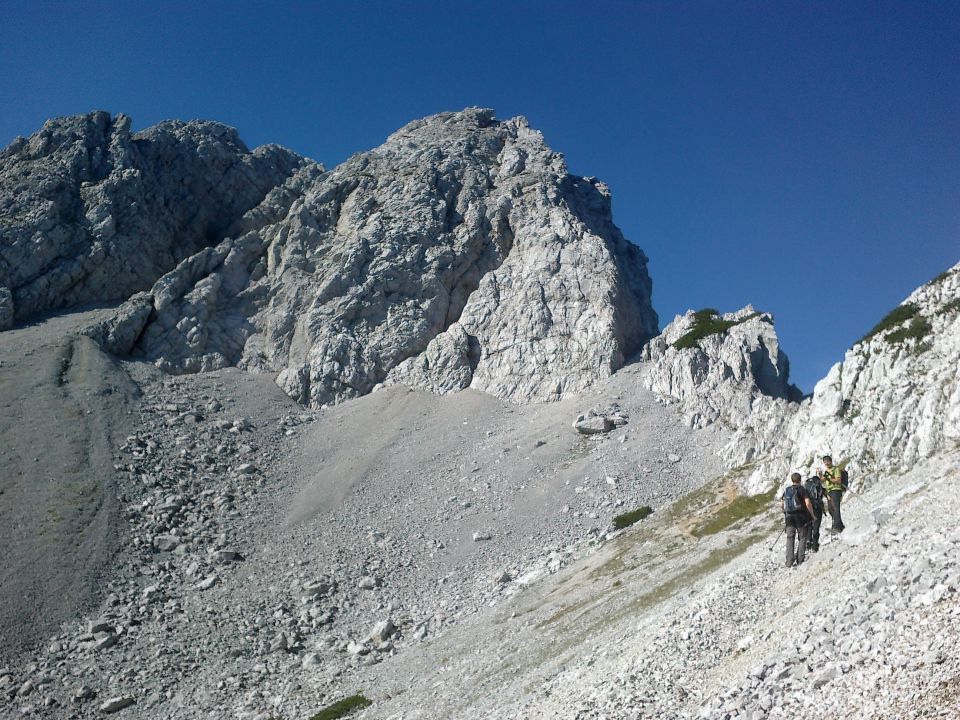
(311, 661)
(831, 672)
(166, 543)
(84, 692)
(99, 626)
(368, 582)
(382, 631)
(355, 648)
(224, 557)
(108, 641)
(279, 643)
(116, 704)
(481, 535)
(207, 583)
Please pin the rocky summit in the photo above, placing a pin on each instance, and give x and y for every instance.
(403, 440)
(461, 253)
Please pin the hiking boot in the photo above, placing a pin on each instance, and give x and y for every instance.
(814, 548)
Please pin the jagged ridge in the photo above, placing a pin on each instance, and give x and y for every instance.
(92, 213)
(461, 253)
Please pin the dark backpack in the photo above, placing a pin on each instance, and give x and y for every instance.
(793, 499)
(814, 489)
(844, 480)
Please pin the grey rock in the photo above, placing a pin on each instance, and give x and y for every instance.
(115, 704)
(166, 543)
(593, 424)
(720, 378)
(90, 212)
(84, 692)
(355, 648)
(368, 582)
(434, 260)
(108, 641)
(207, 583)
(279, 642)
(886, 406)
(6, 308)
(382, 631)
(830, 672)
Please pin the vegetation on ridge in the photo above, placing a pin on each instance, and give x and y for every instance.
(905, 323)
(708, 322)
(898, 315)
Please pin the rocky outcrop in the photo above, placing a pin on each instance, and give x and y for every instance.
(92, 213)
(720, 368)
(892, 401)
(461, 253)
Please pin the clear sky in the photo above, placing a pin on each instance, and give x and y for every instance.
(800, 156)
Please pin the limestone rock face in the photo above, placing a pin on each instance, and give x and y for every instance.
(461, 253)
(90, 212)
(891, 402)
(725, 377)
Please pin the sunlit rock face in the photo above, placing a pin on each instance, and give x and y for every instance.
(460, 253)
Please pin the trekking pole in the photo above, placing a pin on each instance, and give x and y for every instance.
(777, 541)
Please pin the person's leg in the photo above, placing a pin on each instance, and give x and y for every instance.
(791, 533)
(814, 540)
(835, 496)
(802, 533)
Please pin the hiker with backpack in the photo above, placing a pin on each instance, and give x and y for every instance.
(815, 492)
(798, 517)
(834, 483)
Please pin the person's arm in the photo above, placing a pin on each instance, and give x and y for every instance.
(810, 509)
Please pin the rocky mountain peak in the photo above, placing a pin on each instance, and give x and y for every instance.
(719, 366)
(458, 254)
(92, 213)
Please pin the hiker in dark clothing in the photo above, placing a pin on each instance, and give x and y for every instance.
(815, 492)
(798, 516)
(832, 478)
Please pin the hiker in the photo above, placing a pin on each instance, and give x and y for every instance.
(832, 479)
(815, 492)
(798, 516)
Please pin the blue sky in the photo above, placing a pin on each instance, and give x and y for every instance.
(803, 157)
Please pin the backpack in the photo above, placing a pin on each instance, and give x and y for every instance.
(844, 480)
(814, 489)
(793, 499)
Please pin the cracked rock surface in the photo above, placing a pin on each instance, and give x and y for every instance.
(91, 212)
(460, 253)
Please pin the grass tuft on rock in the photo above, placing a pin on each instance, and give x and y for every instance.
(951, 307)
(627, 519)
(342, 708)
(707, 322)
(917, 328)
(900, 314)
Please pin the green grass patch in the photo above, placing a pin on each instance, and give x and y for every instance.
(629, 518)
(342, 708)
(951, 307)
(740, 508)
(707, 322)
(898, 315)
(942, 276)
(917, 328)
